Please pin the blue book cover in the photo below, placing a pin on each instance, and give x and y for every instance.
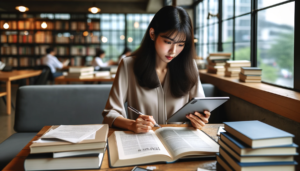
(242, 145)
(256, 130)
(253, 164)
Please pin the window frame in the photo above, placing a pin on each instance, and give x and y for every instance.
(253, 41)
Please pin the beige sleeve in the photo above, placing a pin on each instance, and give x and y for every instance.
(197, 90)
(117, 97)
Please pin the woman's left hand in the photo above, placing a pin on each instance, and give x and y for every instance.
(198, 120)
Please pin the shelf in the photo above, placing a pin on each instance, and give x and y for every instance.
(278, 100)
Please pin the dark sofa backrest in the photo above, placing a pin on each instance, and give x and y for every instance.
(38, 106)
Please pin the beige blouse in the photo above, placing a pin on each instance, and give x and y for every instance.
(157, 102)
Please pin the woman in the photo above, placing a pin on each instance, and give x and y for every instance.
(159, 78)
(97, 62)
(126, 52)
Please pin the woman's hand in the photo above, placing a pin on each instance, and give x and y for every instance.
(198, 120)
(143, 124)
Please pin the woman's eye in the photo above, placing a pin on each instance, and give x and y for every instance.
(167, 42)
(181, 45)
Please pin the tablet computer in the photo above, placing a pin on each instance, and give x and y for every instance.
(198, 104)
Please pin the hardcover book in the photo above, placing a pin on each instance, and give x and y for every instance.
(164, 145)
(258, 134)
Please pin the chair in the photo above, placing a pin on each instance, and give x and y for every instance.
(45, 76)
(38, 106)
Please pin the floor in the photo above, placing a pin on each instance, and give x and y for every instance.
(7, 121)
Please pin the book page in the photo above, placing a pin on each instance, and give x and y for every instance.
(182, 140)
(132, 145)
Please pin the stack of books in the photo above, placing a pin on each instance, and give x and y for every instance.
(80, 72)
(216, 62)
(254, 145)
(102, 73)
(59, 154)
(250, 74)
(233, 68)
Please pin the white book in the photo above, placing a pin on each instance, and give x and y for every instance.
(163, 145)
(80, 69)
(78, 153)
(102, 73)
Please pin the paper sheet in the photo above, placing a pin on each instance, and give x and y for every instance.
(72, 133)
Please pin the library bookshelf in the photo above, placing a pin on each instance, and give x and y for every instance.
(24, 43)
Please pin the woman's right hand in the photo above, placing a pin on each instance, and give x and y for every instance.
(143, 124)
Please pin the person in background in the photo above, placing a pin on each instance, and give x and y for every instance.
(53, 63)
(127, 52)
(97, 62)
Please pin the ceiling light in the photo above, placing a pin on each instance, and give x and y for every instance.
(22, 8)
(130, 39)
(195, 40)
(104, 39)
(94, 9)
(86, 33)
(44, 25)
(136, 24)
(5, 26)
(122, 37)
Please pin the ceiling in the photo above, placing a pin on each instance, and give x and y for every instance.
(81, 6)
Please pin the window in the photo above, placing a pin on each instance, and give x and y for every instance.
(137, 25)
(275, 44)
(268, 43)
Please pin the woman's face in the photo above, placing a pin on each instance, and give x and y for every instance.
(168, 47)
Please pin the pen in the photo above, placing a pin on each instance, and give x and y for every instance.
(140, 113)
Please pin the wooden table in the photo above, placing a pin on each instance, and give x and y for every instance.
(17, 164)
(64, 80)
(15, 75)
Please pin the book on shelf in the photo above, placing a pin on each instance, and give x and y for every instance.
(80, 77)
(45, 161)
(251, 70)
(78, 50)
(249, 81)
(9, 50)
(245, 150)
(62, 25)
(255, 158)
(249, 77)
(43, 37)
(238, 63)
(78, 25)
(101, 73)
(10, 61)
(59, 38)
(254, 166)
(94, 25)
(62, 51)
(12, 24)
(220, 54)
(63, 146)
(78, 69)
(231, 73)
(258, 134)
(163, 145)
(77, 74)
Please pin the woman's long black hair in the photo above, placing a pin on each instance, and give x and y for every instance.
(182, 71)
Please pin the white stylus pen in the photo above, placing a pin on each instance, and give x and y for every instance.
(140, 113)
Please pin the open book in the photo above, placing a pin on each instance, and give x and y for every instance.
(164, 145)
